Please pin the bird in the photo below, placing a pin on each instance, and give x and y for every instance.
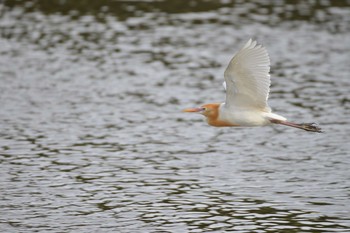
(247, 84)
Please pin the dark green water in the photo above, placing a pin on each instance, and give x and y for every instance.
(92, 137)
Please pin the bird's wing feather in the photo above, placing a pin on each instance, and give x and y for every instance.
(247, 78)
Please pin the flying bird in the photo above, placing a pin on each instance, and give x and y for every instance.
(247, 84)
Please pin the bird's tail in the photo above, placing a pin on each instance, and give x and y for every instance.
(311, 127)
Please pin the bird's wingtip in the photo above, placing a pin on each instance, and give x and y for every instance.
(251, 43)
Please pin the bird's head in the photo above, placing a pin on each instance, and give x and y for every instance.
(208, 110)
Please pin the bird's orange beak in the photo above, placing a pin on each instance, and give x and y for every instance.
(192, 110)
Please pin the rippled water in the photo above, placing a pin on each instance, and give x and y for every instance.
(93, 138)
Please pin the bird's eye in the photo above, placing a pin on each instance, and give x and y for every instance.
(204, 109)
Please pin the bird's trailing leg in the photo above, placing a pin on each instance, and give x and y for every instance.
(312, 127)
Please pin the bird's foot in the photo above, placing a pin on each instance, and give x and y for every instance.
(310, 127)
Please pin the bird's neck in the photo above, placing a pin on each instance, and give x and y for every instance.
(213, 117)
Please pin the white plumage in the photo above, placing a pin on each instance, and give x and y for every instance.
(247, 82)
(247, 78)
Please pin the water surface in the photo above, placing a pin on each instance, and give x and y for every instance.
(93, 138)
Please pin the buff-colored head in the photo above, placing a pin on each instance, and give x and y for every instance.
(211, 112)
(208, 110)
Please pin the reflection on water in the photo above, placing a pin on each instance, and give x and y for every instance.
(93, 138)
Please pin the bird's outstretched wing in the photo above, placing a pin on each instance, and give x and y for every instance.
(247, 78)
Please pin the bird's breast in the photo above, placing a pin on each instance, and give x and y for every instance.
(220, 123)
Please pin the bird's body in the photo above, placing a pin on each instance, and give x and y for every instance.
(221, 116)
(247, 84)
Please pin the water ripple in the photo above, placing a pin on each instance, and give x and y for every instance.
(93, 138)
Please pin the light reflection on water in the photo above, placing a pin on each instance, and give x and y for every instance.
(93, 138)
